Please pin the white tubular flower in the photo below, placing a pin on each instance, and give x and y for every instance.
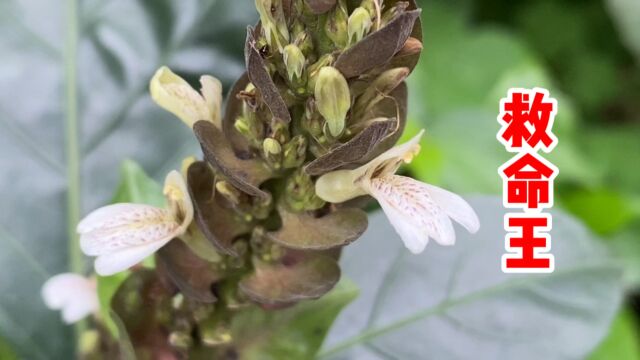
(73, 294)
(175, 95)
(417, 211)
(122, 235)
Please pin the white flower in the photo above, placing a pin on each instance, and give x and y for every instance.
(73, 294)
(122, 235)
(417, 211)
(175, 95)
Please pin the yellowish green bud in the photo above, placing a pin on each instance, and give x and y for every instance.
(333, 99)
(273, 23)
(294, 152)
(89, 342)
(300, 193)
(379, 89)
(294, 60)
(272, 152)
(180, 340)
(359, 25)
(314, 70)
(229, 192)
(336, 26)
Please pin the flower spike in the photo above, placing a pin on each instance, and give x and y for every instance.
(122, 235)
(417, 211)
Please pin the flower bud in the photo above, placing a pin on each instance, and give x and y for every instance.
(379, 89)
(397, 9)
(411, 47)
(273, 23)
(229, 192)
(300, 192)
(294, 60)
(272, 152)
(180, 340)
(294, 152)
(359, 25)
(336, 25)
(304, 42)
(333, 99)
(314, 70)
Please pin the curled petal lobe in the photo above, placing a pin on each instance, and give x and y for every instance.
(73, 294)
(115, 262)
(175, 95)
(179, 201)
(412, 211)
(389, 161)
(455, 207)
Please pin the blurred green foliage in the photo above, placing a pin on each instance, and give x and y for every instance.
(588, 54)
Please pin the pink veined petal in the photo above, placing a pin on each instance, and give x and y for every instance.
(123, 259)
(412, 211)
(116, 227)
(455, 207)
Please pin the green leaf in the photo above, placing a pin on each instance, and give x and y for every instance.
(626, 245)
(73, 105)
(455, 302)
(622, 341)
(137, 187)
(293, 333)
(6, 353)
(604, 211)
(626, 13)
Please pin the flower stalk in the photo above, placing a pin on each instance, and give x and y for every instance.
(259, 222)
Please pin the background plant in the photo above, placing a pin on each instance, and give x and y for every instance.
(118, 54)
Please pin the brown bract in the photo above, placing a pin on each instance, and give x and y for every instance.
(354, 150)
(297, 276)
(136, 305)
(233, 109)
(192, 275)
(245, 174)
(319, 7)
(306, 232)
(218, 224)
(262, 80)
(379, 47)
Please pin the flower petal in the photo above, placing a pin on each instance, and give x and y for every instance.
(212, 92)
(119, 226)
(175, 95)
(412, 211)
(390, 159)
(115, 262)
(74, 294)
(456, 207)
(177, 194)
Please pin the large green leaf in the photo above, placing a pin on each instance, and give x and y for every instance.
(622, 341)
(627, 16)
(73, 104)
(455, 302)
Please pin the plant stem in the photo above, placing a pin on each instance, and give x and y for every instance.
(72, 143)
